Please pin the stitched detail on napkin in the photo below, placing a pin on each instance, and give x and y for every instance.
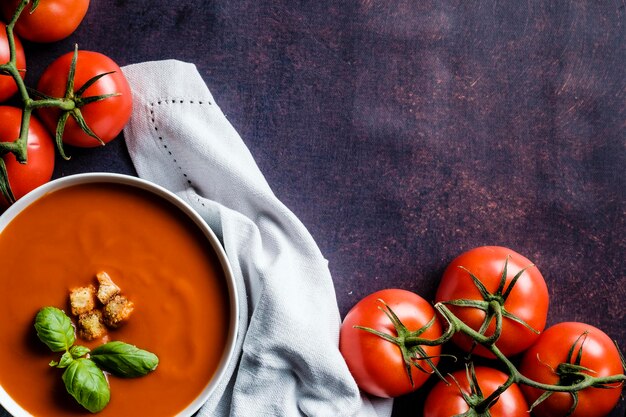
(162, 140)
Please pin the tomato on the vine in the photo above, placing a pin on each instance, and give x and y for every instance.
(446, 400)
(40, 153)
(51, 21)
(599, 356)
(107, 117)
(376, 364)
(527, 299)
(7, 84)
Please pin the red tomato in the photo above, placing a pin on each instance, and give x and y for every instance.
(528, 300)
(51, 21)
(599, 354)
(41, 151)
(107, 117)
(7, 84)
(376, 364)
(446, 400)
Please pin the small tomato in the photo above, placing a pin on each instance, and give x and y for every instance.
(51, 21)
(527, 300)
(446, 400)
(40, 153)
(376, 364)
(597, 353)
(106, 118)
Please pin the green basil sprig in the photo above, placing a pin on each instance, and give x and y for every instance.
(122, 359)
(83, 377)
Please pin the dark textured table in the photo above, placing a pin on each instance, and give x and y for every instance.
(405, 132)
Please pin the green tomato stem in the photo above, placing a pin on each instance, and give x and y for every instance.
(19, 145)
(11, 66)
(60, 103)
(68, 105)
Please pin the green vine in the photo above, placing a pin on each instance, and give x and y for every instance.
(573, 378)
(31, 100)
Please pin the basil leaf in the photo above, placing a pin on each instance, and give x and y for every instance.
(87, 384)
(78, 351)
(55, 329)
(124, 360)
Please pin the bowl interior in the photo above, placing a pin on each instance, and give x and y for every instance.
(185, 210)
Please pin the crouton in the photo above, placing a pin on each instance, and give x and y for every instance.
(107, 288)
(82, 300)
(117, 311)
(90, 325)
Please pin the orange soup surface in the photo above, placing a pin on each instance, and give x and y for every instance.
(162, 263)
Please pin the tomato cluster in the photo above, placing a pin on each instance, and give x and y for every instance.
(491, 302)
(82, 99)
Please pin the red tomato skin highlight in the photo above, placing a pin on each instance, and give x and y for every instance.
(529, 299)
(551, 349)
(376, 364)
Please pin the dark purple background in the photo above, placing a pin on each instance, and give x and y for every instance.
(405, 133)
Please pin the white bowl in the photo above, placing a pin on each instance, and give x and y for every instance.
(90, 178)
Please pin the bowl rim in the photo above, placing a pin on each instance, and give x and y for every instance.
(10, 213)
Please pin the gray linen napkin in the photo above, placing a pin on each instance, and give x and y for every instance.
(287, 360)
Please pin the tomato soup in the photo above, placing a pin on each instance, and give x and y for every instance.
(159, 258)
